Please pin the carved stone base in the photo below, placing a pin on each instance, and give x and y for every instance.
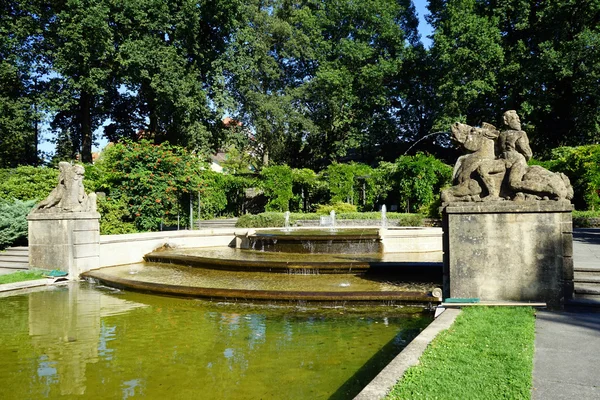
(67, 242)
(520, 251)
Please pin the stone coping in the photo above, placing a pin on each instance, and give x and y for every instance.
(381, 385)
(142, 236)
(36, 216)
(358, 297)
(507, 207)
(8, 287)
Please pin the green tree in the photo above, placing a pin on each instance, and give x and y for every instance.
(540, 58)
(80, 47)
(21, 68)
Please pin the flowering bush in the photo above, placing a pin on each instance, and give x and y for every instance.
(152, 180)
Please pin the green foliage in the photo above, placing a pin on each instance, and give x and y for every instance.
(582, 166)
(586, 219)
(13, 221)
(420, 179)
(115, 217)
(152, 180)
(20, 104)
(275, 220)
(277, 185)
(345, 182)
(486, 352)
(21, 276)
(27, 182)
(316, 81)
(264, 220)
(338, 207)
(541, 59)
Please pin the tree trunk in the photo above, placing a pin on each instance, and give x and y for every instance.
(86, 127)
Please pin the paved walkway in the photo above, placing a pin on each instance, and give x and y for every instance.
(567, 345)
(567, 351)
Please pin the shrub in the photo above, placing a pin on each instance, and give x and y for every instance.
(343, 183)
(13, 221)
(152, 180)
(338, 207)
(586, 219)
(277, 185)
(264, 220)
(27, 182)
(276, 220)
(582, 165)
(116, 217)
(420, 180)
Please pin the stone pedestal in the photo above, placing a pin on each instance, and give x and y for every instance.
(66, 241)
(520, 251)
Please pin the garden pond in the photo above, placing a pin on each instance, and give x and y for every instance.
(86, 341)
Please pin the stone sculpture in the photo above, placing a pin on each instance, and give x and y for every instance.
(495, 167)
(69, 194)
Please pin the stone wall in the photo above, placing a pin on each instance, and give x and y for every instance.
(509, 251)
(64, 241)
(131, 248)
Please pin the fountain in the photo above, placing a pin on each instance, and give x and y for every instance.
(346, 265)
(384, 221)
(286, 221)
(332, 216)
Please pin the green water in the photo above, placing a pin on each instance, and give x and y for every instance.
(78, 341)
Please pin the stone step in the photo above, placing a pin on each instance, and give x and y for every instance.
(587, 278)
(586, 270)
(14, 265)
(15, 251)
(8, 258)
(587, 289)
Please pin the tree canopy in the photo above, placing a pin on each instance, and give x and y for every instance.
(307, 83)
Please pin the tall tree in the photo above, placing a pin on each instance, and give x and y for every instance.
(80, 48)
(540, 58)
(21, 70)
(165, 52)
(319, 81)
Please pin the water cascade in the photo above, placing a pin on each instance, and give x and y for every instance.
(343, 266)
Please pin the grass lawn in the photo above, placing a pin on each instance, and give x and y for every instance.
(486, 354)
(21, 276)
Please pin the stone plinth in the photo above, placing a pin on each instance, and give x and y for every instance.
(520, 251)
(66, 241)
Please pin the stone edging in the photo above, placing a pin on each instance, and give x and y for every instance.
(381, 385)
(8, 287)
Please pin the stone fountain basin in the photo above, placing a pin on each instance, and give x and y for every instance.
(342, 240)
(233, 259)
(263, 286)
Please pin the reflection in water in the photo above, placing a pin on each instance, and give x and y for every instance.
(66, 326)
(79, 341)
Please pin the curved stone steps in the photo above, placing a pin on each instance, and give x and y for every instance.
(231, 259)
(264, 287)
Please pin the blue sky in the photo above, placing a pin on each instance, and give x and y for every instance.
(424, 27)
(424, 30)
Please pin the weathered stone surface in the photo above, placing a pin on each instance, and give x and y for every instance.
(69, 194)
(67, 241)
(495, 167)
(508, 251)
